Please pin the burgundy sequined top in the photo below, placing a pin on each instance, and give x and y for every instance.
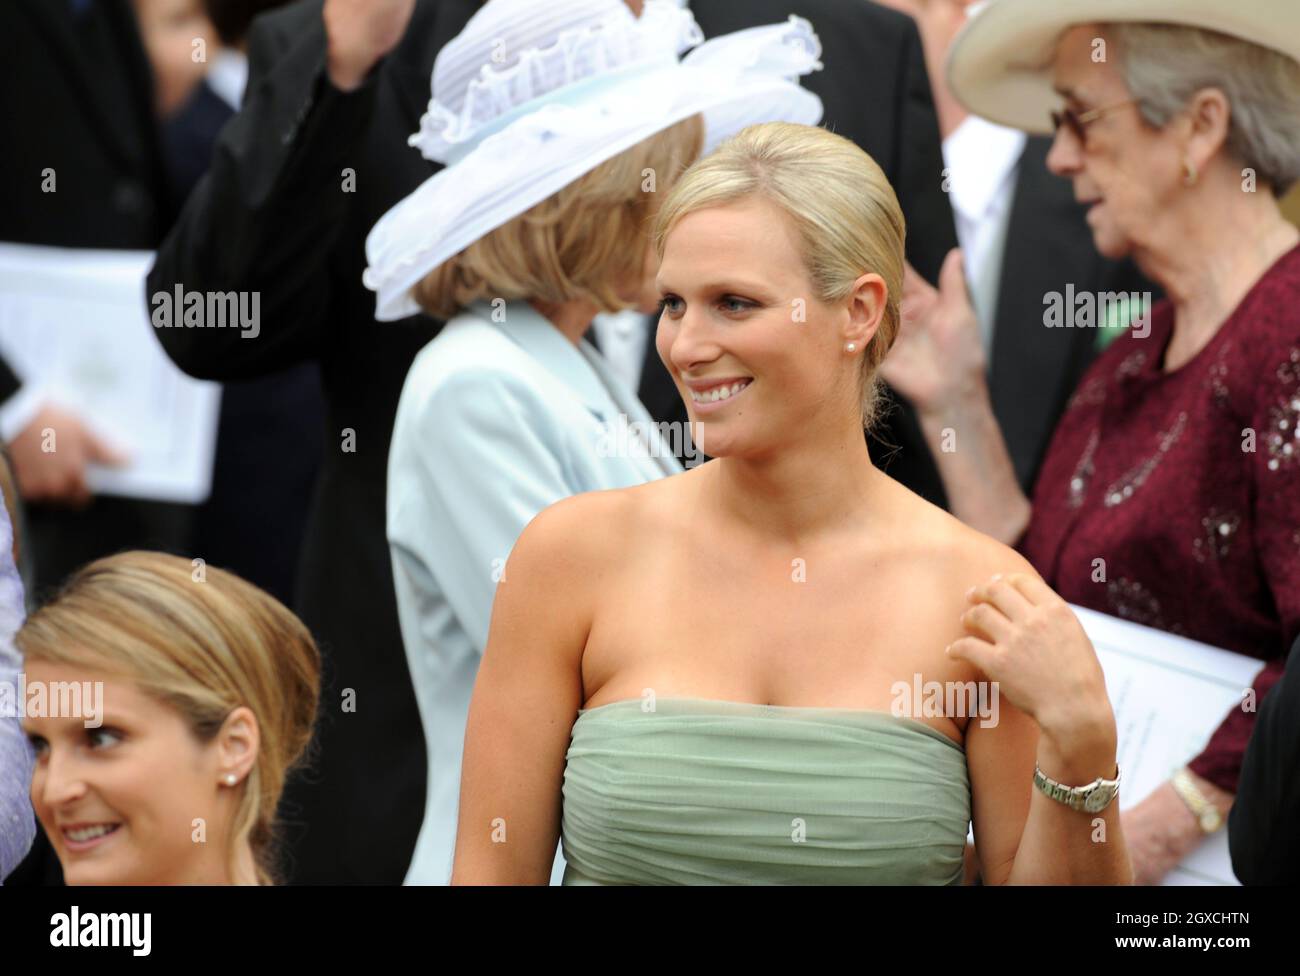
(1187, 484)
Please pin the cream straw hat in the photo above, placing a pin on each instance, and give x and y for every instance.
(1000, 65)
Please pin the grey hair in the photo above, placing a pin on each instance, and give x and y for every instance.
(1164, 65)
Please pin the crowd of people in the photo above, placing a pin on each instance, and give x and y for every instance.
(521, 267)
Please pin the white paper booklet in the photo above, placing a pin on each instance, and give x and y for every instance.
(75, 323)
(1169, 695)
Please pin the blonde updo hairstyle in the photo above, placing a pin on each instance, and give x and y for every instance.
(582, 243)
(846, 216)
(203, 645)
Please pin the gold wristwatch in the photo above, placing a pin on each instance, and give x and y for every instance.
(1093, 798)
(1203, 809)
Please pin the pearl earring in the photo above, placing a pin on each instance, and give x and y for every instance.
(851, 347)
(231, 779)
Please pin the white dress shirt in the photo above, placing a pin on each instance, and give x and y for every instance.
(497, 420)
(228, 76)
(982, 160)
(622, 337)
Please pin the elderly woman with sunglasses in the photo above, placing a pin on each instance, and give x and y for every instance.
(1170, 494)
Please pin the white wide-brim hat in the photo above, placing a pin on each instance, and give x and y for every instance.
(530, 96)
(1000, 65)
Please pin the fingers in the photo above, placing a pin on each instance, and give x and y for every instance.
(978, 653)
(68, 474)
(952, 278)
(60, 484)
(1003, 594)
(1033, 588)
(58, 475)
(985, 620)
(100, 452)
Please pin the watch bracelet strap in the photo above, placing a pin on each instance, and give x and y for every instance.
(1196, 801)
(1071, 796)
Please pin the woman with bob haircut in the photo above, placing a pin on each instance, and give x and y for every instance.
(759, 725)
(562, 125)
(205, 692)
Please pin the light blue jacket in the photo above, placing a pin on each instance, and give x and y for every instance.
(500, 416)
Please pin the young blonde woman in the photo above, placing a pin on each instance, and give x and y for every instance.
(698, 680)
(209, 690)
(559, 150)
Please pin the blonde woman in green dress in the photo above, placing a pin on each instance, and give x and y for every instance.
(707, 679)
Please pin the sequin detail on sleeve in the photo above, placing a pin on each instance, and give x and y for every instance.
(1282, 439)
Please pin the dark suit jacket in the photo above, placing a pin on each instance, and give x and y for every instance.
(79, 94)
(269, 434)
(1264, 825)
(77, 100)
(271, 216)
(874, 91)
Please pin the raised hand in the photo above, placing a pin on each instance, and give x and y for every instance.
(937, 359)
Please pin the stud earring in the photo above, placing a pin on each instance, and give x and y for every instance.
(851, 347)
(231, 779)
(1190, 174)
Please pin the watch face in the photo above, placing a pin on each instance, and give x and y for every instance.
(1098, 799)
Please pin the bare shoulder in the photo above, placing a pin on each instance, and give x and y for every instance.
(959, 557)
(548, 593)
(591, 531)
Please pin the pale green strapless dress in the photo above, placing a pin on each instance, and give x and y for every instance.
(718, 792)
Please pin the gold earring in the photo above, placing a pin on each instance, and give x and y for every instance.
(1190, 174)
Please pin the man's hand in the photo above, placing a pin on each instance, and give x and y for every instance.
(50, 457)
(937, 360)
(1161, 831)
(360, 32)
